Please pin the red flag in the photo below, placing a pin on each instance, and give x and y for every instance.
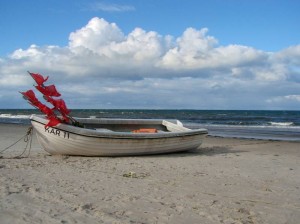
(35, 104)
(51, 100)
(66, 119)
(48, 90)
(29, 95)
(53, 121)
(38, 78)
(63, 107)
(58, 104)
(46, 110)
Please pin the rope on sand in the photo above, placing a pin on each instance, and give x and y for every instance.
(28, 139)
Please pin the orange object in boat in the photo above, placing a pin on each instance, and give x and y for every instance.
(145, 130)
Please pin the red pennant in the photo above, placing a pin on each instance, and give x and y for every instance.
(63, 108)
(35, 104)
(48, 90)
(52, 101)
(58, 104)
(53, 121)
(38, 78)
(44, 109)
(29, 95)
(65, 118)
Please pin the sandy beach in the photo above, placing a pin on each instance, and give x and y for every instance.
(224, 181)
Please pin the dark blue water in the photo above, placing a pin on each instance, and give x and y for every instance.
(275, 125)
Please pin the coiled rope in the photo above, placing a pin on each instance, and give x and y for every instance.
(28, 139)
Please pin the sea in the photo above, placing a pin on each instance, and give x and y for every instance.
(251, 124)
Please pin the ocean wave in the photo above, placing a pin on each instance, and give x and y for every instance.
(224, 126)
(281, 123)
(14, 116)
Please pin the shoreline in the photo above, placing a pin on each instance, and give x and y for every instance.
(285, 134)
(226, 180)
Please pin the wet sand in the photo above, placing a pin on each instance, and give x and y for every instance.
(224, 181)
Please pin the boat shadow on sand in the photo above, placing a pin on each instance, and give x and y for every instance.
(202, 151)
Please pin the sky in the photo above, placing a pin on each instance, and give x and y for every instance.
(153, 54)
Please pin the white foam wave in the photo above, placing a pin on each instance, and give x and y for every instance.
(281, 123)
(13, 116)
(222, 126)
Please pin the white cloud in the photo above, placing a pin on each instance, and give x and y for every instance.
(279, 99)
(109, 7)
(95, 35)
(293, 97)
(13, 80)
(101, 63)
(289, 55)
(191, 49)
(32, 51)
(110, 46)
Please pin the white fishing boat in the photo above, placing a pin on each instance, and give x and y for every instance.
(116, 137)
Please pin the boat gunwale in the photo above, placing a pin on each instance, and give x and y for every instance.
(119, 135)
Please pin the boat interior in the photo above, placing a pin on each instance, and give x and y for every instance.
(132, 125)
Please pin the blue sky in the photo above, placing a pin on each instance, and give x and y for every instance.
(217, 54)
(269, 25)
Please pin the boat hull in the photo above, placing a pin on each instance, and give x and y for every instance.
(68, 140)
